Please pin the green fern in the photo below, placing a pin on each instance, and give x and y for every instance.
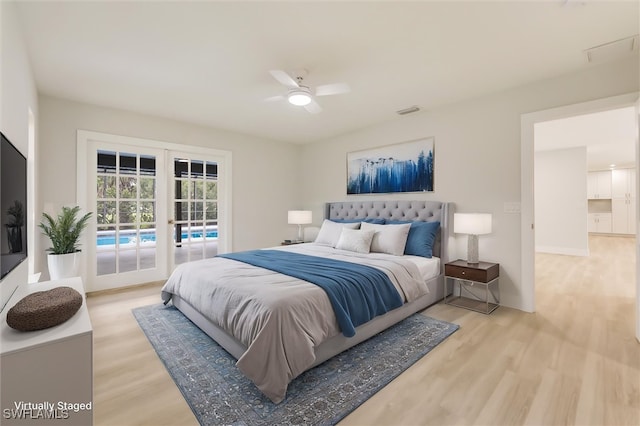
(64, 232)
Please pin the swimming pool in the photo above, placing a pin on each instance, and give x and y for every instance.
(109, 238)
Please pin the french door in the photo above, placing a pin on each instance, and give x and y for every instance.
(128, 201)
(153, 208)
(194, 198)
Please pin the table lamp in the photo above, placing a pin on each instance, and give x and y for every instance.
(299, 217)
(472, 224)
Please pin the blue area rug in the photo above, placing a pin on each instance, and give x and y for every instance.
(218, 393)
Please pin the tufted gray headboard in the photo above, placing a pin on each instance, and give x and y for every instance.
(426, 211)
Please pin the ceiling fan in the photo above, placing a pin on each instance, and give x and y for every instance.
(301, 95)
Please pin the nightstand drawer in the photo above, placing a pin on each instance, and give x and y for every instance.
(481, 272)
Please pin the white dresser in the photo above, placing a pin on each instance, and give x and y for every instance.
(47, 375)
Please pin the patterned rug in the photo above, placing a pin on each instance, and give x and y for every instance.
(218, 393)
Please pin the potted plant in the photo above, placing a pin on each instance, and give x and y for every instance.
(64, 233)
(14, 227)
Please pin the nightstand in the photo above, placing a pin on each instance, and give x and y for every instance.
(290, 243)
(475, 282)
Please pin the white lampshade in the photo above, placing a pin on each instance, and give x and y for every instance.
(472, 223)
(299, 217)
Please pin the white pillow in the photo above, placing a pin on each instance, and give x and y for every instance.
(389, 239)
(355, 240)
(330, 232)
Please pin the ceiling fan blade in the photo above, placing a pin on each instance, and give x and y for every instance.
(274, 98)
(332, 89)
(284, 78)
(313, 107)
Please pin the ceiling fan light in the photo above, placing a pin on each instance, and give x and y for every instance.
(299, 98)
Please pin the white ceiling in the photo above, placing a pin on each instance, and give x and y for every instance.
(610, 137)
(208, 62)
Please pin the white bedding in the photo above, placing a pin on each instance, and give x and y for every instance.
(280, 319)
(428, 267)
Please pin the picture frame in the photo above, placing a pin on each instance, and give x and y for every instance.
(402, 167)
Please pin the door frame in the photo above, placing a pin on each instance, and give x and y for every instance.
(527, 123)
(83, 138)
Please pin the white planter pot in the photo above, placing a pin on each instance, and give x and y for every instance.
(63, 265)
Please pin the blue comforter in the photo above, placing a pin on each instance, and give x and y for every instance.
(358, 293)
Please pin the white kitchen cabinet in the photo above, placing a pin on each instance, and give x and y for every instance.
(623, 183)
(52, 368)
(599, 184)
(623, 215)
(600, 223)
(623, 201)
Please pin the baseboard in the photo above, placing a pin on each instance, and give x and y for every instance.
(562, 250)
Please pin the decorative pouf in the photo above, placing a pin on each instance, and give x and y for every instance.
(44, 309)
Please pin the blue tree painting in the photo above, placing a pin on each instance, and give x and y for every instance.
(406, 167)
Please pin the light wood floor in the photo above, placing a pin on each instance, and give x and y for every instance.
(574, 362)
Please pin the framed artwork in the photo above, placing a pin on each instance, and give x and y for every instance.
(403, 167)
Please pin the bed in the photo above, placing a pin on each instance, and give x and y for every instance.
(279, 325)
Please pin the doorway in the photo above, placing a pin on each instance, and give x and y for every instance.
(528, 122)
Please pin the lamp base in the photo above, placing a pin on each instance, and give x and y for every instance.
(472, 249)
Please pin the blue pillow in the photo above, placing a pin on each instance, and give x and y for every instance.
(422, 236)
(368, 220)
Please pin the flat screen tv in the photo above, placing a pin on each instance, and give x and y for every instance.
(13, 207)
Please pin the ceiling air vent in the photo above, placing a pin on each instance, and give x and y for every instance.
(612, 50)
(408, 110)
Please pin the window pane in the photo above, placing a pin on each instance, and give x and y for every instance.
(106, 238)
(147, 188)
(181, 167)
(182, 190)
(197, 190)
(127, 260)
(128, 187)
(105, 212)
(106, 162)
(212, 170)
(197, 169)
(181, 212)
(196, 251)
(147, 165)
(128, 164)
(127, 236)
(128, 211)
(212, 211)
(106, 262)
(147, 211)
(212, 190)
(147, 258)
(148, 237)
(106, 187)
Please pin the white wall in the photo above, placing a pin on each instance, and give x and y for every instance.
(264, 172)
(477, 157)
(561, 201)
(18, 96)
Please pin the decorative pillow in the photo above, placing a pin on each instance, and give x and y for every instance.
(422, 237)
(389, 239)
(330, 232)
(355, 240)
(44, 309)
(379, 221)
